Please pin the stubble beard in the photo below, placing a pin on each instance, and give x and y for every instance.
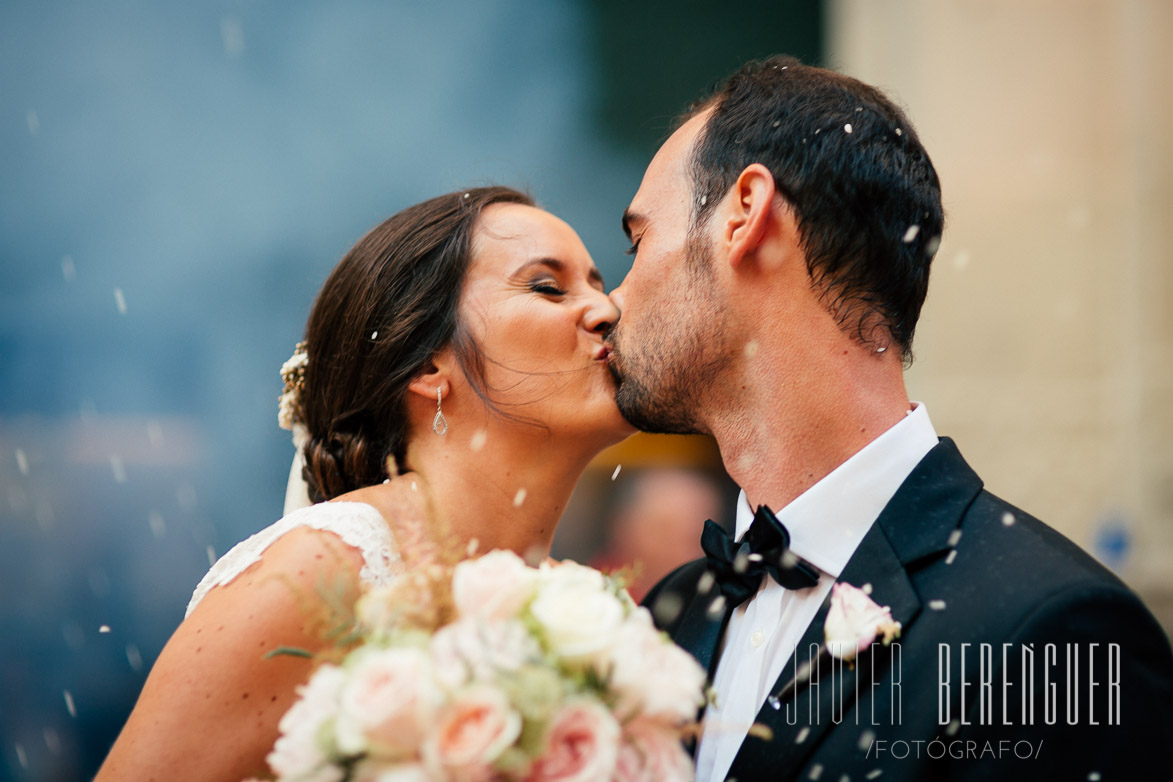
(661, 383)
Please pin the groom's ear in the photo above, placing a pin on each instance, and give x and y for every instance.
(753, 225)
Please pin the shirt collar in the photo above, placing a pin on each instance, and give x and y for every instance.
(827, 522)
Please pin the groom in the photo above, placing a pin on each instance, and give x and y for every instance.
(782, 239)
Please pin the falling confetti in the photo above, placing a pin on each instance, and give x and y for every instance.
(777, 122)
(68, 270)
(716, 608)
(74, 636)
(69, 705)
(1093, 776)
(899, 132)
(134, 657)
(118, 468)
(865, 740)
(104, 629)
(937, 605)
(477, 441)
(775, 703)
(954, 537)
(961, 260)
(1007, 519)
(751, 348)
(704, 200)
(185, 495)
(932, 245)
(519, 498)
(952, 728)
(911, 233)
(847, 128)
(211, 555)
(741, 562)
(874, 773)
(157, 525)
(374, 335)
(667, 607)
(34, 122)
(802, 734)
(866, 588)
(615, 474)
(22, 462)
(52, 741)
(952, 556)
(155, 433)
(120, 301)
(705, 583)
(414, 486)
(232, 36)
(816, 771)
(21, 757)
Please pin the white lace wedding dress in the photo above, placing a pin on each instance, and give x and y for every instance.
(355, 523)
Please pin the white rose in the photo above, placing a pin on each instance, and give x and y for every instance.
(298, 752)
(469, 648)
(854, 620)
(387, 702)
(578, 617)
(495, 586)
(378, 771)
(653, 677)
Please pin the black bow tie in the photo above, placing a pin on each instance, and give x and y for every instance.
(738, 567)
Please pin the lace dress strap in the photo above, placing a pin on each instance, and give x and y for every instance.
(357, 524)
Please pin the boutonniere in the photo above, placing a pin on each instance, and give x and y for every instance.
(855, 621)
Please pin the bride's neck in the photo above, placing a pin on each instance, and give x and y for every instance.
(503, 490)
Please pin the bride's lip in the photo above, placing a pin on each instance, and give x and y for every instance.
(602, 353)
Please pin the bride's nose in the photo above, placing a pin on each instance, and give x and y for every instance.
(601, 314)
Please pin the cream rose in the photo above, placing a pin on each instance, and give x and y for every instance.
(582, 745)
(495, 586)
(473, 649)
(652, 753)
(653, 677)
(854, 620)
(578, 617)
(387, 703)
(472, 731)
(381, 771)
(299, 752)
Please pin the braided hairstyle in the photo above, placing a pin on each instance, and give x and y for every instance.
(387, 308)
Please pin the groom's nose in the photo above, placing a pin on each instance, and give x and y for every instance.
(617, 296)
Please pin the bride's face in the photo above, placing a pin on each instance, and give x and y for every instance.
(534, 304)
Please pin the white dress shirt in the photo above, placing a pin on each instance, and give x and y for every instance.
(826, 523)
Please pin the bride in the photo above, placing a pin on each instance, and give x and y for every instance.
(457, 348)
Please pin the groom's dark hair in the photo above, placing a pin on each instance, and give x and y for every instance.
(847, 160)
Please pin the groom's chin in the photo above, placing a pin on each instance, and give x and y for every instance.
(649, 412)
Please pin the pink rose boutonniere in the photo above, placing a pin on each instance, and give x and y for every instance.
(854, 622)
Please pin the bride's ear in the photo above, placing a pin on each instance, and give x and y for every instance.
(433, 376)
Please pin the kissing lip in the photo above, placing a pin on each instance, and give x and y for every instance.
(602, 353)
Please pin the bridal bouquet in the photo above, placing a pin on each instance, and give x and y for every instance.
(493, 670)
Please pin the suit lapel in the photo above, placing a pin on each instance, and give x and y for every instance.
(916, 524)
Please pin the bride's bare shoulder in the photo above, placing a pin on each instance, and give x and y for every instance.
(402, 501)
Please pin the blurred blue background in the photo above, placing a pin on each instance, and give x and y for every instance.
(176, 180)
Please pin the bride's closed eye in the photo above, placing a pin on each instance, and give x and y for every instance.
(546, 288)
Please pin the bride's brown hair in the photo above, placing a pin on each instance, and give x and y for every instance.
(387, 308)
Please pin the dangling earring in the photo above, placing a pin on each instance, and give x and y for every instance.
(439, 423)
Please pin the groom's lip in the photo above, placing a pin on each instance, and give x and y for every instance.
(602, 353)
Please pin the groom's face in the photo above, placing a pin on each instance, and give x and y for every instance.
(670, 343)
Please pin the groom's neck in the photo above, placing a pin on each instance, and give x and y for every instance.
(795, 412)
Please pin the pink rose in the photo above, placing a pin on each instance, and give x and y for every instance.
(854, 621)
(471, 733)
(582, 745)
(387, 703)
(653, 677)
(650, 752)
(495, 586)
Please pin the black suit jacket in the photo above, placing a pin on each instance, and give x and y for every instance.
(1013, 581)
